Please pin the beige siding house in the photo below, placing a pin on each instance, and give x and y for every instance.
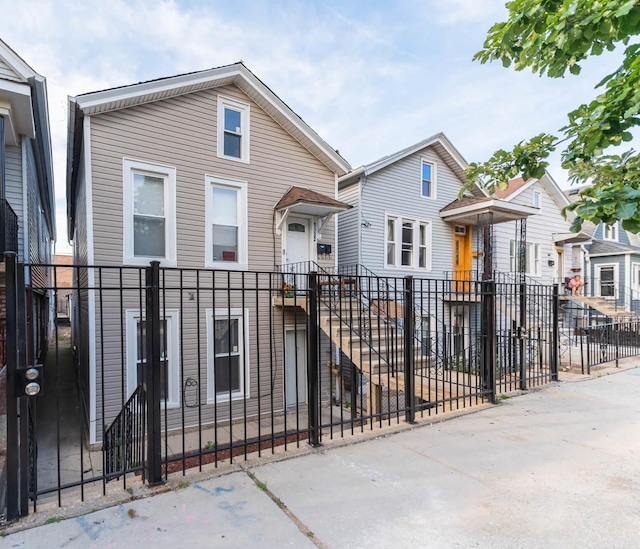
(212, 175)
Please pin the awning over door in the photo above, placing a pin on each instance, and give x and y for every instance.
(571, 238)
(468, 209)
(298, 200)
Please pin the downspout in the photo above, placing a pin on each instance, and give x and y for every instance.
(3, 191)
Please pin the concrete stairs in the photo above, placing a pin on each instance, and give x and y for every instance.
(602, 305)
(376, 347)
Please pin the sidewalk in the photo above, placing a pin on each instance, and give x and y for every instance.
(552, 468)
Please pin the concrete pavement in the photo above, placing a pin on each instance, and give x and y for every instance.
(552, 468)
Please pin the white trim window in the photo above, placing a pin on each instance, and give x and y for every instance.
(226, 236)
(408, 243)
(233, 129)
(227, 354)
(137, 351)
(537, 199)
(635, 280)
(149, 224)
(610, 232)
(427, 179)
(532, 264)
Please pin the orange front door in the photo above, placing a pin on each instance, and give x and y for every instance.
(461, 256)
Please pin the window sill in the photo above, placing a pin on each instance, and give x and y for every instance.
(242, 160)
(146, 261)
(226, 266)
(223, 399)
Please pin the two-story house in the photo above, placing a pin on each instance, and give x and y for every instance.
(214, 176)
(27, 212)
(407, 220)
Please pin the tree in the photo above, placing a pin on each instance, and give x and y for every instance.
(551, 37)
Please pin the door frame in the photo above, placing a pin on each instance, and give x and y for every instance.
(466, 251)
(289, 330)
(597, 268)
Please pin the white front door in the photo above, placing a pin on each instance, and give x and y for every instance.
(297, 254)
(295, 366)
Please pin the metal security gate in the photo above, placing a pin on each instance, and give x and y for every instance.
(159, 370)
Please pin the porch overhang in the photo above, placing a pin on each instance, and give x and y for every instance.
(468, 210)
(571, 238)
(17, 111)
(298, 200)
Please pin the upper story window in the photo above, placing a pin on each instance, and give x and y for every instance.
(414, 239)
(233, 129)
(537, 201)
(149, 213)
(226, 238)
(428, 179)
(610, 232)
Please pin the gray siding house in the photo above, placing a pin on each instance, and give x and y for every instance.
(211, 174)
(407, 219)
(610, 262)
(27, 212)
(549, 248)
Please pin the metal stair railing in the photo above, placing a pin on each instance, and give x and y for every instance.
(124, 439)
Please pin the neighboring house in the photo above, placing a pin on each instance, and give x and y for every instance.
(202, 171)
(610, 264)
(27, 214)
(407, 220)
(549, 247)
(63, 283)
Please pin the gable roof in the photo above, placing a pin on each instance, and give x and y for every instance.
(300, 195)
(439, 142)
(149, 91)
(518, 185)
(24, 106)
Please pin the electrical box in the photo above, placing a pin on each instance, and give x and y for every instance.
(324, 249)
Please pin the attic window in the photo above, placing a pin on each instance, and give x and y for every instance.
(536, 199)
(428, 179)
(610, 232)
(233, 129)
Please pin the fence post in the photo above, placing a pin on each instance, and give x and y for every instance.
(27, 468)
(555, 335)
(313, 387)
(523, 336)
(152, 373)
(13, 507)
(616, 327)
(409, 338)
(488, 336)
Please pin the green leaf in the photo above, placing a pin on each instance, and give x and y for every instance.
(576, 226)
(631, 225)
(626, 210)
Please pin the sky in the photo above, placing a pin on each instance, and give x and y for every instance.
(371, 77)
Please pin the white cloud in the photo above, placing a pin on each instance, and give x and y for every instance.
(370, 79)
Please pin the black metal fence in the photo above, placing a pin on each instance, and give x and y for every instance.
(609, 342)
(165, 369)
(8, 229)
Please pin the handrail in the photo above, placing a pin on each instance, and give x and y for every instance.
(334, 289)
(121, 452)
